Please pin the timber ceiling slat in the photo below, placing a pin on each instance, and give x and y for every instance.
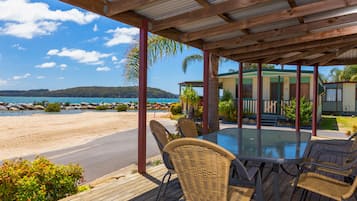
(350, 30)
(328, 57)
(327, 27)
(296, 47)
(283, 31)
(120, 6)
(307, 9)
(206, 12)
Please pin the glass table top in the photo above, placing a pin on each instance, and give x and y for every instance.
(262, 145)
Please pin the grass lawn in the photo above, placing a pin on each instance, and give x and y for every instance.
(340, 123)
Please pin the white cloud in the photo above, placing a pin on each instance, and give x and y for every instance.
(18, 46)
(46, 65)
(25, 19)
(81, 56)
(95, 28)
(20, 77)
(92, 40)
(122, 36)
(60, 78)
(40, 77)
(114, 58)
(3, 82)
(63, 66)
(103, 69)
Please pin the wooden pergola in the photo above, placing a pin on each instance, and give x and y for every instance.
(297, 32)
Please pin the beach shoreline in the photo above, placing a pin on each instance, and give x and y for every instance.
(38, 133)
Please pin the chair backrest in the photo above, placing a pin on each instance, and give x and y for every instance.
(160, 134)
(202, 168)
(187, 127)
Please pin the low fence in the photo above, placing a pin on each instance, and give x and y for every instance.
(268, 106)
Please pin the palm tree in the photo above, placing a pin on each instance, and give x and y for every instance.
(158, 47)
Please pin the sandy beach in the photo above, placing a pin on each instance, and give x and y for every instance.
(34, 134)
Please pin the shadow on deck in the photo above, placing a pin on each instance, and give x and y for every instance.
(136, 187)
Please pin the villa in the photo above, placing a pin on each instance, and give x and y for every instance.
(340, 98)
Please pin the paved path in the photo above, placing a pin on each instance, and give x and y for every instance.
(110, 153)
(107, 154)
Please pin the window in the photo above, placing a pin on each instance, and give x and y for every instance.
(247, 91)
(332, 94)
(304, 90)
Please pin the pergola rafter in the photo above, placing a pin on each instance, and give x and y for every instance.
(295, 32)
(251, 40)
(303, 10)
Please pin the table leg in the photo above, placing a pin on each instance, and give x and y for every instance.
(276, 182)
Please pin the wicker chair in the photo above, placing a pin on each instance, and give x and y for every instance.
(324, 185)
(187, 127)
(203, 170)
(160, 134)
(345, 149)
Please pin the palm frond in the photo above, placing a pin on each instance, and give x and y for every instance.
(190, 59)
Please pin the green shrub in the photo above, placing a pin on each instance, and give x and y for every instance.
(101, 107)
(83, 188)
(227, 110)
(121, 108)
(39, 180)
(53, 107)
(175, 108)
(226, 96)
(305, 111)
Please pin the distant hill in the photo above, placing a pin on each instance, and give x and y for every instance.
(105, 92)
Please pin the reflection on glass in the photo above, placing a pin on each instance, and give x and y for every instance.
(252, 143)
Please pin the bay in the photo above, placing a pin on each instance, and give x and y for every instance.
(20, 99)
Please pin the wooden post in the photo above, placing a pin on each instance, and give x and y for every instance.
(142, 97)
(259, 97)
(315, 99)
(205, 91)
(240, 96)
(297, 97)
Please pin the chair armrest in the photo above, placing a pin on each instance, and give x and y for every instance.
(322, 152)
(332, 167)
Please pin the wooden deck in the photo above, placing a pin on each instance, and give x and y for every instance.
(138, 187)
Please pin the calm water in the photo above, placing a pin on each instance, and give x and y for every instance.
(19, 99)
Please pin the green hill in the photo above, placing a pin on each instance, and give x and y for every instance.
(106, 92)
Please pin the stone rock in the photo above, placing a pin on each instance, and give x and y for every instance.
(3, 108)
(38, 107)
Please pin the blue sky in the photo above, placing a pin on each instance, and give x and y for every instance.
(51, 45)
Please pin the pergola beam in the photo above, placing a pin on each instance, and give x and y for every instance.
(323, 60)
(293, 4)
(307, 9)
(344, 31)
(205, 12)
(302, 55)
(120, 6)
(223, 16)
(283, 31)
(328, 43)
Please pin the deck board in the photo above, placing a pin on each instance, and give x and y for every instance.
(136, 187)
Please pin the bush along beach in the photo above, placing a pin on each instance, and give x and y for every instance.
(38, 180)
(53, 107)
